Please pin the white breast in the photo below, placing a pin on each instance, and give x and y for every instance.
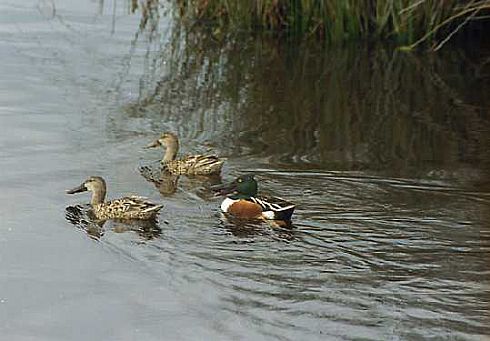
(225, 205)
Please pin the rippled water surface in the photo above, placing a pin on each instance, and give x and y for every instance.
(385, 154)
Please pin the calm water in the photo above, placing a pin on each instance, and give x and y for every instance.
(385, 154)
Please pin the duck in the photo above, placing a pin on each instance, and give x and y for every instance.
(242, 201)
(187, 165)
(129, 207)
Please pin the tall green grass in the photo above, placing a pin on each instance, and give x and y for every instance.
(409, 22)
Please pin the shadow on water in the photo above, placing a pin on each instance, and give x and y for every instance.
(385, 154)
(168, 184)
(165, 182)
(250, 228)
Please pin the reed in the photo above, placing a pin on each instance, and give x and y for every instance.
(409, 22)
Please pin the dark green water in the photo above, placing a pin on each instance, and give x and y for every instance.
(385, 154)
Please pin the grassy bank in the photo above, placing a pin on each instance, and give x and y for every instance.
(408, 22)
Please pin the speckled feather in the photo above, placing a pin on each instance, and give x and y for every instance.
(195, 165)
(131, 207)
(275, 207)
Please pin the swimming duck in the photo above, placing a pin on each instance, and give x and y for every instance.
(130, 207)
(242, 201)
(189, 165)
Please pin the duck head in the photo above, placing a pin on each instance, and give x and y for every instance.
(94, 184)
(242, 187)
(169, 141)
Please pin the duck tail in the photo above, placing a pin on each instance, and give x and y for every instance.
(284, 213)
(153, 209)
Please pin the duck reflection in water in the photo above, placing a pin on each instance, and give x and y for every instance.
(165, 182)
(253, 228)
(82, 217)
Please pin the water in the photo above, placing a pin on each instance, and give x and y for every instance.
(384, 153)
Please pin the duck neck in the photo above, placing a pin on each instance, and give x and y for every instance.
(170, 151)
(243, 196)
(98, 197)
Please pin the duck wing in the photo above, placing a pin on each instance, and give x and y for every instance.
(274, 207)
(136, 205)
(198, 164)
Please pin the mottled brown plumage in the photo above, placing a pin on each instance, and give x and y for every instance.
(194, 165)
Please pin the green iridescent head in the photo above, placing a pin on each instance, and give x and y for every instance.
(241, 188)
(246, 185)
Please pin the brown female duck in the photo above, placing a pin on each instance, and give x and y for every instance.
(130, 207)
(187, 165)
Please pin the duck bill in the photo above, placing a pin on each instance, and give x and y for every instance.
(78, 189)
(224, 189)
(154, 144)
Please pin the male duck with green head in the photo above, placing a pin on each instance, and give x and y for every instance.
(242, 201)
